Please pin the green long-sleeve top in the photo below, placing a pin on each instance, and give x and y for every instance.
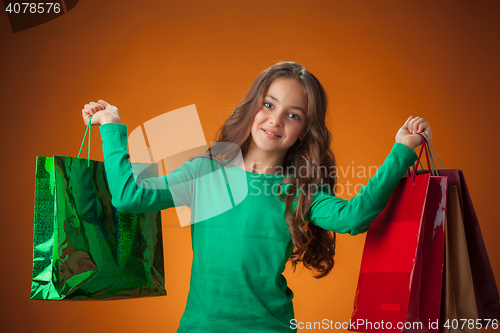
(240, 239)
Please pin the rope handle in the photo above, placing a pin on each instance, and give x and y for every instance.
(415, 166)
(424, 147)
(430, 158)
(88, 130)
(429, 147)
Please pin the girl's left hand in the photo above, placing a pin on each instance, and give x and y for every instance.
(408, 134)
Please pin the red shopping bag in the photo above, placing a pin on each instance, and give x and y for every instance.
(400, 280)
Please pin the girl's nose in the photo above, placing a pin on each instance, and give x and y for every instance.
(276, 119)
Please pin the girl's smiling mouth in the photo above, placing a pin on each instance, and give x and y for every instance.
(271, 134)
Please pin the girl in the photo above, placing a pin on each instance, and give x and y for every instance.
(239, 254)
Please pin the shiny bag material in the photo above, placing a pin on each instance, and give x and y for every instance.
(400, 280)
(485, 288)
(83, 248)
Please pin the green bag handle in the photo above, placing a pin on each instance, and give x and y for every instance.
(88, 130)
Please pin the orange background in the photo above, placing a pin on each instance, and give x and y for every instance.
(379, 61)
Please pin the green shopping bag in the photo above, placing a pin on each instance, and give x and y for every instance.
(82, 246)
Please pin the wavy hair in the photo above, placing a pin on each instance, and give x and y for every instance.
(313, 246)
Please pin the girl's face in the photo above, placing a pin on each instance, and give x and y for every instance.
(281, 116)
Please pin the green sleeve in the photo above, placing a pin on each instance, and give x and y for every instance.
(354, 216)
(130, 193)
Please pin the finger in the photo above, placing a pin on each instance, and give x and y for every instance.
(407, 122)
(413, 121)
(422, 126)
(87, 111)
(103, 103)
(86, 117)
(417, 124)
(95, 120)
(97, 105)
(411, 128)
(428, 132)
(88, 107)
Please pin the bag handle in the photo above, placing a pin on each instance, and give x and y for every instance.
(429, 147)
(424, 147)
(88, 130)
(434, 171)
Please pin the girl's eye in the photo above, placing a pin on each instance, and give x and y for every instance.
(296, 116)
(268, 105)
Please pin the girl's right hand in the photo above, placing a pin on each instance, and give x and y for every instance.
(102, 112)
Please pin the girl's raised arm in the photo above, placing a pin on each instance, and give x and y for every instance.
(130, 194)
(354, 216)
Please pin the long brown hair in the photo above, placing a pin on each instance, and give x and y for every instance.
(314, 246)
